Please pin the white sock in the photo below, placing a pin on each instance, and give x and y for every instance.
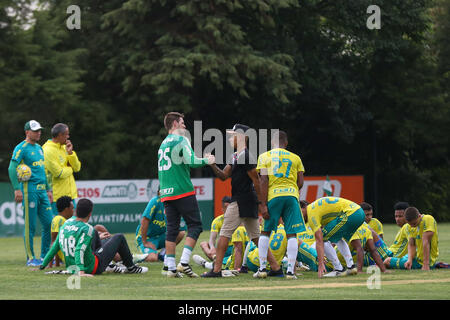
(263, 246)
(171, 262)
(330, 253)
(345, 251)
(186, 255)
(292, 250)
(165, 260)
(247, 249)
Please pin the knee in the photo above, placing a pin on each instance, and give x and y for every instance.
(194, 231)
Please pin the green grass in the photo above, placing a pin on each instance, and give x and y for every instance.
(19, 282)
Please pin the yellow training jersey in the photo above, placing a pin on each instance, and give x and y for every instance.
(326, 209)
(307, 236)
(239, 235)
(217, 224)
(282, 167)
(60, 166)
(376, 226)
(426, 224)
(57, 223)
(277, 245)
(400, 246)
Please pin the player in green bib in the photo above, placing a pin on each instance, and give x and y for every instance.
(74, 240)
(175, 159)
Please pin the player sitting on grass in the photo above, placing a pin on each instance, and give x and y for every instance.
(209, 247)
(64, 206)
(400, 246)
(373, 223)
(74, 239)
(422, 244)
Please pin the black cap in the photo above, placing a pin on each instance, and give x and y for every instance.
(239, 128)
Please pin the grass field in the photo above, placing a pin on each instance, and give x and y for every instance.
(19, 282)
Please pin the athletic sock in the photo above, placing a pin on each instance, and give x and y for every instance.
(165, 260)
(263, 246)
(345, 251)
(171, 262)
(186, 255)
(247, 249)
(292, 250)
(330, 253)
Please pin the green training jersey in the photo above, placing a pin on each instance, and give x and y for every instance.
(175, 159)
(74, 240)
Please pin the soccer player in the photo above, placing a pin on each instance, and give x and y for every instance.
(277, 246)
(373, 223)
(281, 174)
(153, 226)
(334, 220)
(64, 206)
(74, 239)
(61, 161)
(360, 243)
(422, 243)
(400, 246)
(34, 194)
(245, 193)
(209, 247)
(175, 158)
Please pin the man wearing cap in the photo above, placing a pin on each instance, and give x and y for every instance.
(61, 162)
(35, 194)
(246, 197)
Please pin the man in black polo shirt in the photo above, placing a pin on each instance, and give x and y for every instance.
(246, 199)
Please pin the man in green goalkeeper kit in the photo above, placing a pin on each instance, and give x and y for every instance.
(74, 240)
(175, 159)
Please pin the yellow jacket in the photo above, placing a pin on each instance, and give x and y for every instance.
(61, 166)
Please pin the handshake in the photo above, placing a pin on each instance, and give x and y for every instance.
(211, 159)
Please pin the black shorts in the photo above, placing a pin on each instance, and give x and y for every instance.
(188, 209)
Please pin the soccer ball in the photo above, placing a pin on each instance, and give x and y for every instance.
(23, 172)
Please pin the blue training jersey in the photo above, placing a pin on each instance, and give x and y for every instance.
(155, 213)
(33, 156)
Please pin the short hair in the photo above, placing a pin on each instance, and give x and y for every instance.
(401, 206)
(58, 129)
(282, 137)
(365, 206)
(226, 199)
(84, 208)
(63, 203)
(411, 214)
(303, 203)
(170, 118)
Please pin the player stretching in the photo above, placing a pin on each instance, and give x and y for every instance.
(340, 218)
(175, 158)
(281, 179)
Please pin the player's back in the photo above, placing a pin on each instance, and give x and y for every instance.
(282, 168)
(72, 235)
(326, 209)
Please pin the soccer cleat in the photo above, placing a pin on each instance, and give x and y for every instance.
(164, 270)
(212, 274)
(114, 268)
(229, 273)
(279, 273)
(136, 269)
(187, 270)
(442, 265)
(290, 276)
(302, 267)
(352, 270)
(336, 273)
(174, 274)
(199, 260)
(260, 274)
(243, 269)
(34, 262)
(138, 258)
